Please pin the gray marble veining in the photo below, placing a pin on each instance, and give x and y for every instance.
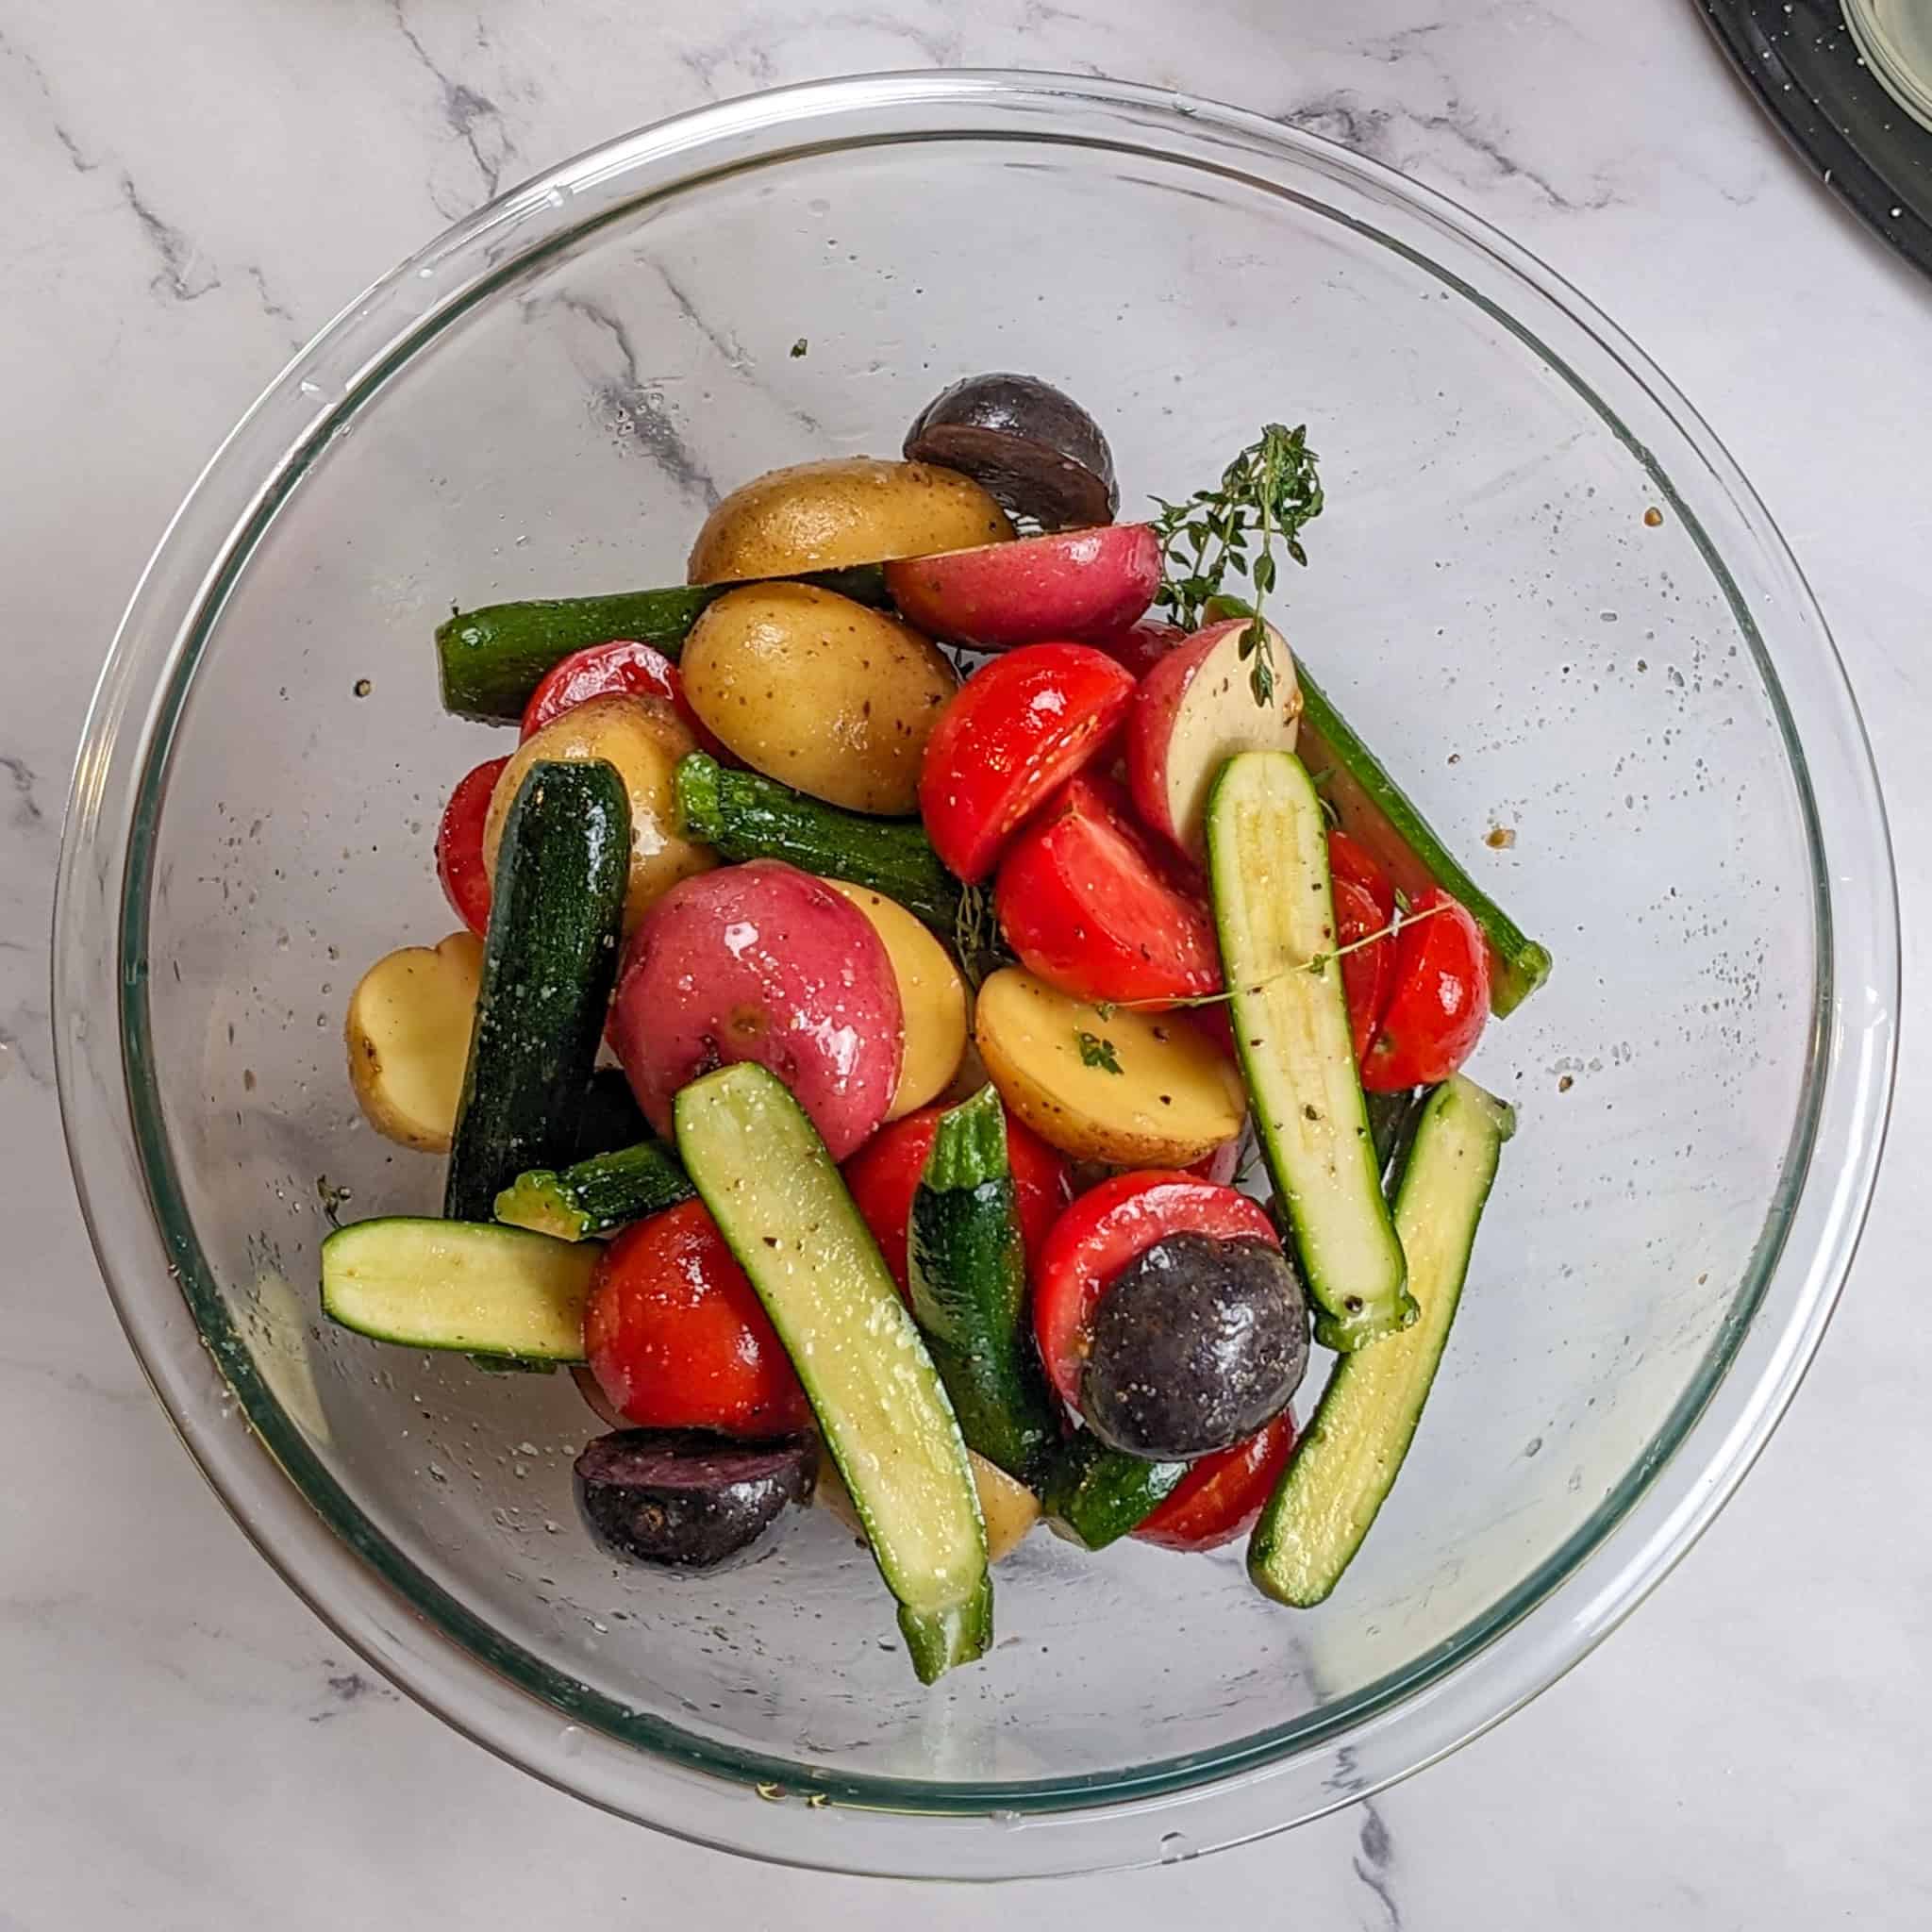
(192, 190)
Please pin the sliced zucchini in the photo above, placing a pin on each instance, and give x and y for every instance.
(764, 1173)
(497, 1292)
(967, 1272)
(548, 965)
(1011, 1509)
(598, 1196)
(1374, 809)
(1095, 1495)
(1274, 909)
(1362, 1429)
(492, 658)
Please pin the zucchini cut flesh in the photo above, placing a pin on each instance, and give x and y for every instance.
(1273, 910)
(486, 1291)
(1374, 811)
(761, 1169)
(1362, 1429)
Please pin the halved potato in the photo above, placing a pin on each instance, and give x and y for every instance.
(845, 510)
(409, 1038)
(819, 693)
(1133, 1089)
(644, 738)
(1009, 1507)
(932, 998)
(1194, 710)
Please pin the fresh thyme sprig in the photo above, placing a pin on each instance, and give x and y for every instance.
(1266, 496)
(976, 937)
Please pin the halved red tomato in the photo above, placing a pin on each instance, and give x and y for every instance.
(678, 1338)
(884, 1174)
(1222, 1496)
(1016, 729)
(1105, 1229)
(1367, 971)
(1348, 858)
(460, 847)
(623, 665)
(1094, 908)
(1438, 1001)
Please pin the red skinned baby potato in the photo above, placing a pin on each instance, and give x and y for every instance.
(640, 670)
(1018, 727)
(1222, 1496)
(763, 962)
(1196, 709)
(460, 847)
(1106, 1227)
(1093, 906)
(1071, 584)
(884, 1174)
(1226, 1161)
(1140, 646)
(1438, 1001)
(678, 1338)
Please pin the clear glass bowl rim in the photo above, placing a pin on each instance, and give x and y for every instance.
(445, 1656)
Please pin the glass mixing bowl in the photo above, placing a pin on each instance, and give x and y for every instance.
(1541, 589)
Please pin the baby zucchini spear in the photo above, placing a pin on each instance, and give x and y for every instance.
(760, 1168)
(968, 1275)
(1268, 858)
(1353, 1450)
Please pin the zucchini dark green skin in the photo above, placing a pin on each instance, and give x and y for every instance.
(1374, 811)
(967, 1275)
(548, 965)
(491, 660)
(747, 816)
(1098, 1495)
(598, 1196)
(1392, 1118)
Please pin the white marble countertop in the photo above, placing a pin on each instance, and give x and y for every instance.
(192, 189)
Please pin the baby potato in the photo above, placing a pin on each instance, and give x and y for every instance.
(932, 997)
(819, 693)
(1133, 1089)
(644, 738)
(845, 511)
(409, 1040)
